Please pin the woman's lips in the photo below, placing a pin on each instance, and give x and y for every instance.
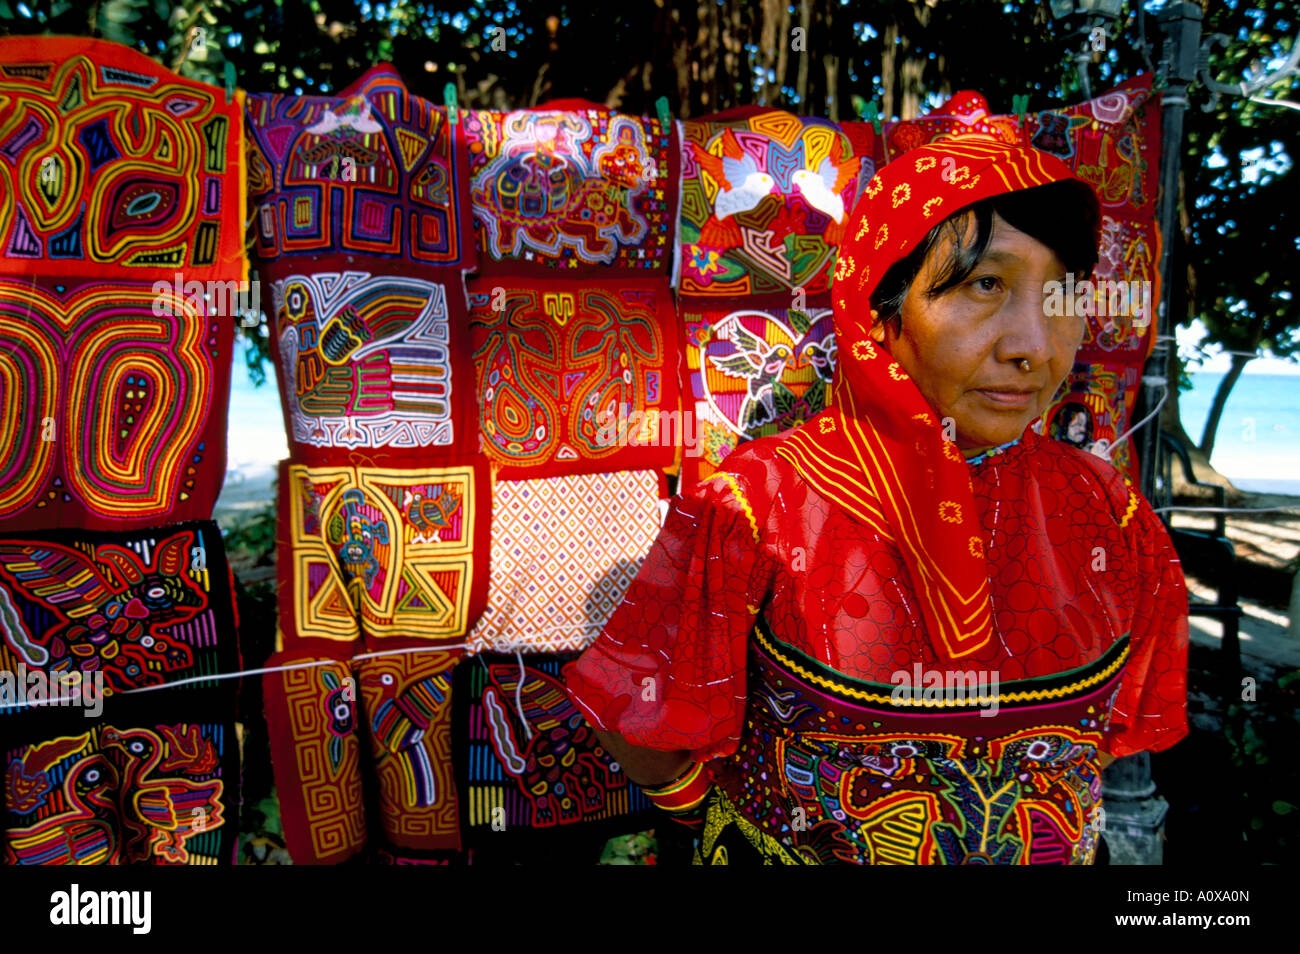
(1010, 400)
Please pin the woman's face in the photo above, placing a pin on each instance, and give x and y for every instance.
(963, 349)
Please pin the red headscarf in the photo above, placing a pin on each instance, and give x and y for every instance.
(878, 450)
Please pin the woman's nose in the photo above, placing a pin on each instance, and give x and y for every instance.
(1027, 332)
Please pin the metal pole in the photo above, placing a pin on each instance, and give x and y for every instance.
(1134, 818)
(1181, 25)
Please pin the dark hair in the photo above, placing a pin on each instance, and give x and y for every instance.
(1065, 415)
(1061, 215)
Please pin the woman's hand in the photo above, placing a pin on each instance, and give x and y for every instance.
(649, 768)
(1106, 760)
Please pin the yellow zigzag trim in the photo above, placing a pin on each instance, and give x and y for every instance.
(740, 499)
(1005, 697)
(1133, 500)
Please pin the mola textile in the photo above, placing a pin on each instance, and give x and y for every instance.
(140, 609)
(374, 367)
(571, 188)
(121, 792)
(112, 167)
(391, 714)
(575, 377)
(765, 199)
(95, 774)
(528, 765)
(749, 373)
(121, 262)
(373, 171)
(381, 558)
(564, 550)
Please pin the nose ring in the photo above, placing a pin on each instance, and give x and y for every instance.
(1024, 364)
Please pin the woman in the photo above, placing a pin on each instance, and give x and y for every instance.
(913, 630)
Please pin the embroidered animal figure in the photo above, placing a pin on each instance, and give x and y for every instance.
(111, 611)
(824, 188)
(429, 517)
(760, 364)
(741, 187)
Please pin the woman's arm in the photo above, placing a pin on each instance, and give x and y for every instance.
(1106, 760)
(649, 768)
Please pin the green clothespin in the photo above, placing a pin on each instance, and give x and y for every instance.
(230, 81)
(665, 118)
(872, 115)
(1020, 106)
(449, 99)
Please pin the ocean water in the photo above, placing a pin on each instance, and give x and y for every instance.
(255, 437)
(1257, 447)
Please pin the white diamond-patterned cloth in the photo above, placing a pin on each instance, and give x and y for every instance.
(564, 551)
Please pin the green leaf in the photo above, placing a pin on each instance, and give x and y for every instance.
(1283, 808)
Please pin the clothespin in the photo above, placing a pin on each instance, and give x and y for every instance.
(871, 112)
(1020, 106)
(449, 99)
(665, 118)
(230, 81)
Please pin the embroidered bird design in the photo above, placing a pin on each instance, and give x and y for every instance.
(824, 188)
(355, 114)
(159, 813)
(404, 710)
(83, 833)
(108, 610)
(428, 516)
(821, 355)
(761, 365)
(741, 187)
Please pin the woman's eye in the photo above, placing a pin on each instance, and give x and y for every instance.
(986, 283)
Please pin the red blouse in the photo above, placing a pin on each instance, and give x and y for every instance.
(1077, 560)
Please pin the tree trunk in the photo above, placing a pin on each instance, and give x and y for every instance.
(888, 68)
(831, 64)
(1220, 402)
(801, 83)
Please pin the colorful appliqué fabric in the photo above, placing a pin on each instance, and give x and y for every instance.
(831, 772)
(751, 373)
(374, 171)
(113, 167)
(528, 765)
(121, 208)
(115, 792)
(575, 377)
(142, 608)
(374, 366)
(1092, 409)
(766, 196)
(320, 716)
(841, 610)
(117, 414)
(571, 187)
(1113, 143)
(564, 550)
(381, 556)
